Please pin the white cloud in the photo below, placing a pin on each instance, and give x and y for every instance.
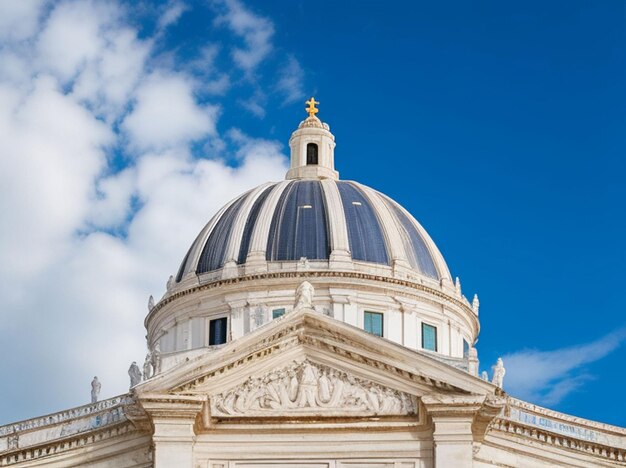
(547, 377)
(107, 82)
(255, 31)
(51, 154)
(72, 36)
(18, 19)
(290, 81)
(166, 114)
(74, 99)
(173, 11)
(112, 203)
(255, 104)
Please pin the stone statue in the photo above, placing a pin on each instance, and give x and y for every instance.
(457, 286)
(155, 359)
(135, 374)
(484, 376)
(95, 389)
(498, 373)
(304, 296)
(147, 366)
(475, 304)
(150, 303)
(170, 283)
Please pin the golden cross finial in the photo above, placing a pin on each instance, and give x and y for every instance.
(312, 110)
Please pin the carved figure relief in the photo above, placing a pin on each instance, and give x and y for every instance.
(307, 388)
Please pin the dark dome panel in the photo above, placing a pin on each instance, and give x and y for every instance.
(299, 226)
(250, 223)
(365, 234)
(419, 256)
(214, 250)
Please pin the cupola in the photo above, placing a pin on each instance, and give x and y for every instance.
(312, 148)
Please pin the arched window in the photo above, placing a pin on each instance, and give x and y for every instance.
(311, 153)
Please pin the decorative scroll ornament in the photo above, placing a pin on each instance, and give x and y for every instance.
(305, 388)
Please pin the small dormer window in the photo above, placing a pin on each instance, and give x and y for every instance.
(311, 153)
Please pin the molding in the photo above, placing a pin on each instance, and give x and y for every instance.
(172, 406)
(294, 336)
(354, 275)
(306, 333)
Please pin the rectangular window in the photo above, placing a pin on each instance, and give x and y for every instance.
(277, 313)
(429, 337)
(373, 323)
(217, 331)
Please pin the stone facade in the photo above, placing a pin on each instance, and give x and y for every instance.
(295, 376)
(307, 390)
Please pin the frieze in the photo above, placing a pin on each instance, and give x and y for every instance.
(305, 388)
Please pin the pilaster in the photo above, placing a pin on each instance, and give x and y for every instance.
(452, 416)
(174, 419)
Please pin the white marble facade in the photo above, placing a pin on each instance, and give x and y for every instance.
(265, 363)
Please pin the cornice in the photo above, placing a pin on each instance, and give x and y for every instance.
(317, 332)
(442, 296)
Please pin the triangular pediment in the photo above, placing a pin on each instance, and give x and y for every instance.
(335, 351)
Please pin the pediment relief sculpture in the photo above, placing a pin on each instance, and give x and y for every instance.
(305, 388)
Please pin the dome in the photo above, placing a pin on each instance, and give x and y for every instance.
(365, 259)
(314, 221)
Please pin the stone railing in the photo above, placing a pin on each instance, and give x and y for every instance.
(554, 428)
(564, 424)
(63, 423)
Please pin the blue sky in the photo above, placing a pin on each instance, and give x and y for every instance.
(499, 126)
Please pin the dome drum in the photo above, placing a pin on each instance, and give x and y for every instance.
(181, 322)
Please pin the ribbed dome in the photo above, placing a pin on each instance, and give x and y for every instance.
(295, 219)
